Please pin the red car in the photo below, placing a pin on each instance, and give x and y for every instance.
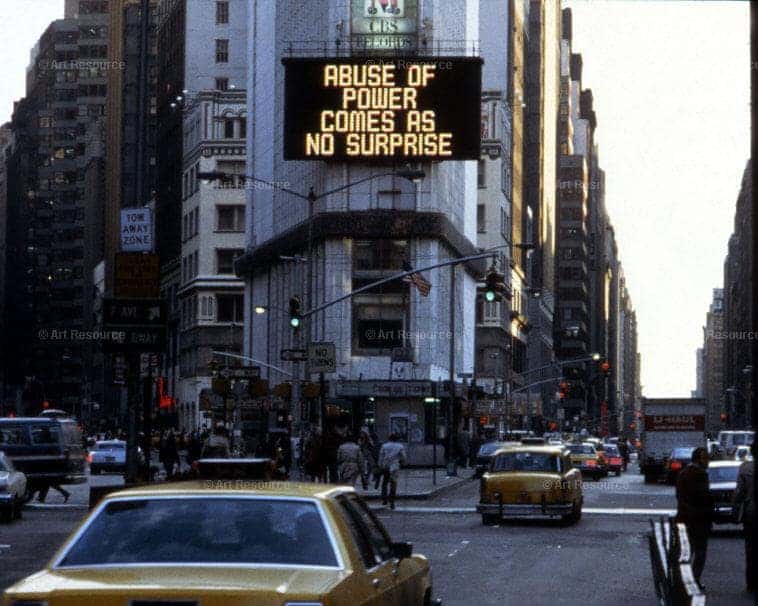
(613, 458)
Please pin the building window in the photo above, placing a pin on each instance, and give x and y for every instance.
(222, 12)
(230, 218)
(222, 51)
(228, 128)
(243, 128)
(505, 227)
(225, 259)
(481, 218)
(229, 308)
(481, 174)
(195, 263)
(222, 83)
(379, 314)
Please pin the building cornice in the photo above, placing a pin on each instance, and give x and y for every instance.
(367, 225)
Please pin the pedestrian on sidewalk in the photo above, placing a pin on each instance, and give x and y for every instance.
(464, 444)
(744, 511)
(370, 453)
(313, 458)
(350, 461)
(695, 507)
(217, 444)
(46, 488)
(391, 459)
(169, 454)
(331, 441)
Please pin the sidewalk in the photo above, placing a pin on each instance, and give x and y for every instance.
(418, 483)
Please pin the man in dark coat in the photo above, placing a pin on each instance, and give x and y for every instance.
(745, 510)
(695, 507)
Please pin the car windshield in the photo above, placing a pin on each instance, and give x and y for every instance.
(110, 446)
(723, 474)
(197, 530)
(741, 439)
(581, 449)
(682, 453)
(526, 461)
(12, 435)
(611, 449)
(45, 434)
(489, 448)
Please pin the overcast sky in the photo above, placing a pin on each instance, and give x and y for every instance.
(671, 90)
(670, 83)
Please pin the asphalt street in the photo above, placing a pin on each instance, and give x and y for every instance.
(602, 560)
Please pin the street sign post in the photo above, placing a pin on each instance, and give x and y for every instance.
(141, 322)
(294, 355)
(243, 372)
(322, 357)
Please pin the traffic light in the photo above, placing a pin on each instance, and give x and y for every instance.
(494, 285)
(563, 389)
(605, 368)
(295, 312)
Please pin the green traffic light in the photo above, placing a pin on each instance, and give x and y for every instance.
(489, 295)
(295, 322)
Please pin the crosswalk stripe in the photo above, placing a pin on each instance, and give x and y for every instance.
(621, 511)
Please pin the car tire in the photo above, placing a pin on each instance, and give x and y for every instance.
(18, 508)
(489, 519)
(27, 495)
(6, 515)
(618, 473)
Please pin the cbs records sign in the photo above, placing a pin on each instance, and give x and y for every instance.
(374, 109)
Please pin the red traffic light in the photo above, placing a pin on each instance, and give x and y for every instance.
(605, 367)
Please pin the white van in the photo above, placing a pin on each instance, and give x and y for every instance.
(730, 440)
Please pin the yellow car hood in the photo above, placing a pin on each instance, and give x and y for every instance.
(220, 586)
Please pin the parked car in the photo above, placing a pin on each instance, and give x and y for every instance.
(201, 542)
(614, 460)
(484, 457)
(531, 481)
(723, 482)
(46, 451)
(12, 490)
(585, 457)
(677, 460)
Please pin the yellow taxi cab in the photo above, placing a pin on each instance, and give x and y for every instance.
(588, 460)
(217, 542)
(531, 480)
(600, 447)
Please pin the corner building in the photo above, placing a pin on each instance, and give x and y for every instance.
(393, 346)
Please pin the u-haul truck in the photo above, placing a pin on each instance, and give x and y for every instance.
(669, 423)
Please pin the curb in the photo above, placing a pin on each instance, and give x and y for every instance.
(418, 496)
(56, 506)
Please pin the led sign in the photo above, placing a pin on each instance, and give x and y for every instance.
(369, 110)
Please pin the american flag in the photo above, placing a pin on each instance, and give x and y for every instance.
(423, 285)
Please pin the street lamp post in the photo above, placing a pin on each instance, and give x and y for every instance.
(411, 174)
